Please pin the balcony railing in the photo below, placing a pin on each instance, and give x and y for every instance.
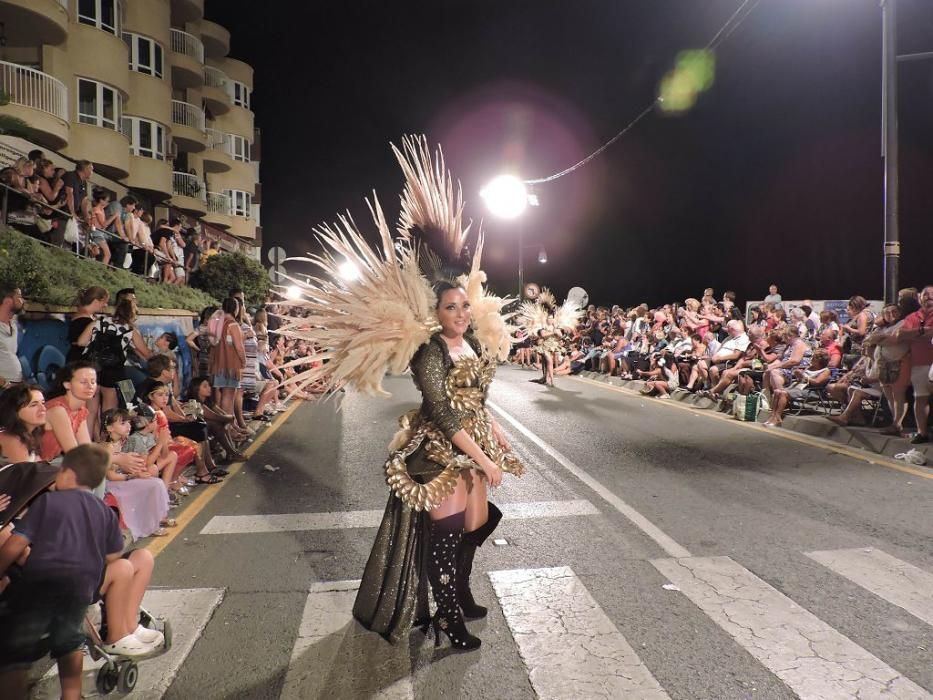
(186, 185)
(187, 114)
(187, 44)
(32, 88)
(214, 77)
(219, 141)
(218, 203)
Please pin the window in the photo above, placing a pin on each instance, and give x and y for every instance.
(147, 138)
(99, 104)
(239, 202)
(103, 14)
(240, 94)
(146, 55)
(240, 148)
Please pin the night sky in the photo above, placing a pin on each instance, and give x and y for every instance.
(774, 175)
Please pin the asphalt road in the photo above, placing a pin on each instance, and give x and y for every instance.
(659, 494)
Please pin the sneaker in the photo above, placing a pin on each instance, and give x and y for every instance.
(918, 439)
(128, 646)
(149, 636)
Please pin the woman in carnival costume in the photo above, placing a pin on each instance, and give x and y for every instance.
(449, 450)
(547, 323)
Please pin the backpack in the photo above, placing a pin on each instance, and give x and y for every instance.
(106, 347)
(215, 327)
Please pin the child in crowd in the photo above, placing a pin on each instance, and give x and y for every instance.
(142, 495)
(167, 344)
(56, 559)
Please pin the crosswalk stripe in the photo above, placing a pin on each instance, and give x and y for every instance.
(811, 657)
(188, 609)
(321, 658)
(569, 646)
(293, 522)
(898, 582)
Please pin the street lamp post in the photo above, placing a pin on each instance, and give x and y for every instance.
(889, 149)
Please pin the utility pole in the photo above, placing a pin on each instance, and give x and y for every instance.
(889, 150)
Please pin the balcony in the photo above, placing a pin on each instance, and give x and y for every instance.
(188, 130)
(187, 60)
(218, 210)
(216, 39)
(187, 11)
(36, 22)
(218, 158)
(216, 91)
(189, 194)
(38, 99)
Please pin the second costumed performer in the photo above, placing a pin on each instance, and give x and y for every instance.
(450, 450)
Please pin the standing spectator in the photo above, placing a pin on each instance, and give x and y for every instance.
(177, 243)
(893, 360)
(773, 298)
(52, 189)
(11, 303)
(99, 223)
(143, 259)
(120, 213)
(193, 252)
(228, 359)
(161, 239)
(212, 250)
(918, 330)
(856, 328)
(76, 199)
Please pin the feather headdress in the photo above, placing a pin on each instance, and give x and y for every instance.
(532, 316)
(491, 327)
(567, 315)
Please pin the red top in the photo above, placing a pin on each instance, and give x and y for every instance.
(921, 349)
(49, 447)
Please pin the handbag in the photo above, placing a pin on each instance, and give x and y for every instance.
(746, 407)
(44, 225)
(71, 231)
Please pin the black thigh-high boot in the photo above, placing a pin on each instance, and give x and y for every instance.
(472, 540)
(443, 544)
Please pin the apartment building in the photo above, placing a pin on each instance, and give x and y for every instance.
(146, 90)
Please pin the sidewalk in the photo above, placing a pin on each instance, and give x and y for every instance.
(814, 425)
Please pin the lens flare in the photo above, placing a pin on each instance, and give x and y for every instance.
(693, 74)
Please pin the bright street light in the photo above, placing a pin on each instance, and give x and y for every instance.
(506, 196)
(542, 256)
(348, 271)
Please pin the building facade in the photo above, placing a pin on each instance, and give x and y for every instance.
(144, 89)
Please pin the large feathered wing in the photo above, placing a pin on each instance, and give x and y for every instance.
(490, 326)
(367, 326)
(532, 316)
(567, 315)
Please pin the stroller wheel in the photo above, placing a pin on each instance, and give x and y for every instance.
(107, 678)
(129, 674)
(167, 633)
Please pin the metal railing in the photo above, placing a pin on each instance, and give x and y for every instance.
(32, 88)
(220, 141)
(218, 203)
(187, 185)
(214, 77)
(187, 44)
(187, 114)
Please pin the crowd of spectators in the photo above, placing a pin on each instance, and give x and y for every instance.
(118, 430)
(62, 208)
(788, 354)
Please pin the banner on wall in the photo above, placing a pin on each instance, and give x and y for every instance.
(839, 306)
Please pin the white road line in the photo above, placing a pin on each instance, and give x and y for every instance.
(189, 611)
(898, 582)
(665, 542)
(812, 658)
(295, 522)
(569, 646)
(327, 647)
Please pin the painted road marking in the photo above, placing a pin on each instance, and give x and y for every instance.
(813, 441)
(325, 660)
(898, 582)
(296, 522)
(665, 542)
(812, 658)
(208, 493)
(188, 609)
(569, 646)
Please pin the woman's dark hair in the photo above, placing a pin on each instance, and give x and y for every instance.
(12, 400)
(440, 288)
(111, 416)
(67, 373)
(231, 305)
(92, 294)
(194, 385)
(858, 303)
(207, 312)
(124, 312)
(908, 300)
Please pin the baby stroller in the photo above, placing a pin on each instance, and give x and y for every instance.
(24, 482)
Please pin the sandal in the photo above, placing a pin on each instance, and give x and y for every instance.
(209, 479)
(218, 471)
(169, 522)
(161, 532)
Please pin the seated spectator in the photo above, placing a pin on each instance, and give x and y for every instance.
(11, 304)
(221, 425)
(730, 351)
(22, 423)
(140, 493)
(828, 322)
(797, 355)
(662, 378)
(917, 329)
(832, 348)
(752, 359)
(48, 594)
(816, 376)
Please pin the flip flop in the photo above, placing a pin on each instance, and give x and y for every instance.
(209, 479)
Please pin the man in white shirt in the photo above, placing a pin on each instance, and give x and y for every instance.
(773, 298)
(11, 303)
(731, 349)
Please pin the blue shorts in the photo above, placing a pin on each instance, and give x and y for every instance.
(39, 619)
(223, 382)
